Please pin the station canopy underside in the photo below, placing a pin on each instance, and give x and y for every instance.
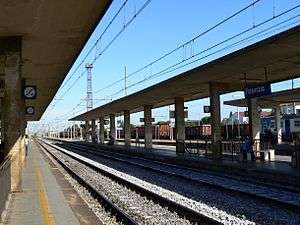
(52, 33)
(280, 54)
(270, 101)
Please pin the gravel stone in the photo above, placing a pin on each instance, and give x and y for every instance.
(199, 206)
(231, 203)
(143, 210)
(103, 215)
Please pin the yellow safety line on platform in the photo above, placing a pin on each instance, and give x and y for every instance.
(47, 217)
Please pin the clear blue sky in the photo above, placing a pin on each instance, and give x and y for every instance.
(162, 26)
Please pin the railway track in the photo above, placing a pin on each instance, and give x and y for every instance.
(281, 197)
(185, 213)
(120, 215)
(269, 181)
(276, 205)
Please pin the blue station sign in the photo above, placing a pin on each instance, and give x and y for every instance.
(253, 91)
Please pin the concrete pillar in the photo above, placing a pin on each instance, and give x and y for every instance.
(278, 124)
(215, 112)
(2, 120)
(179, 125)
(148, 126)
(127, 134)
(112, 122)
(81, 132)
(74, 131)
(137, 138)
(86, 131)
(13, 109)
(23, 126)
(101, 130)
(93, 134)
(254, 123)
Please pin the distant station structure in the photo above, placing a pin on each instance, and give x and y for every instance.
(242, 70)
(39, 42)
(76, 182)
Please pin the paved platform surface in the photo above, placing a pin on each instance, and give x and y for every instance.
(281, 165)
(268, 170)
(44, 200)
(272, 167)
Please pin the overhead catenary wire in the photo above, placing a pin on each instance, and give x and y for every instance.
(95, 44)
(191, 41)
(171, 69)
(110, 43)
(122, 30)
(184, 44)
(104, 49)
(167, 70)
(162, 57)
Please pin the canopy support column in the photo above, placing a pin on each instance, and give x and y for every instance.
(148, 126)
(127, 134)
(278, 124)
(254, 123)
(101, 130)
(14, 118)
(93, 134)
(86, 131)
(112, 122)
(215, 112)
(180, 125)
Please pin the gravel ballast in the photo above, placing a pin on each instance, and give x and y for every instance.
(240, 206)
(144, 211)
(104, 216)
(205, 209)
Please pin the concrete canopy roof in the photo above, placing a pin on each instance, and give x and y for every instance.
(53, 32)
(280, 54)
(270, 101)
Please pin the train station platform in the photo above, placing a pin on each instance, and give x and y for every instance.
(272, 171)
(46, 197)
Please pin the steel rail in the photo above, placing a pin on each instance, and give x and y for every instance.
(286, 204)
(120, 215)
(181, 210)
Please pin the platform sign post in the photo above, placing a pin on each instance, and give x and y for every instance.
(253, 91)
(142, 120)
(29, 92)
(172, 114)
(206, 109)
(29, 110)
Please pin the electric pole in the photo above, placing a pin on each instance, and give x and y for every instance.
(89, 89)
(125, 87)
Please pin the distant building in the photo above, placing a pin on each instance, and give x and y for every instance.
(235, 118)
(291, 108)
(267, 121)
(289, 123)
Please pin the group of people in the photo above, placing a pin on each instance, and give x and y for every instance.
(247, 147)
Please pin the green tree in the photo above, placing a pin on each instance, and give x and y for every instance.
(206, 120)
